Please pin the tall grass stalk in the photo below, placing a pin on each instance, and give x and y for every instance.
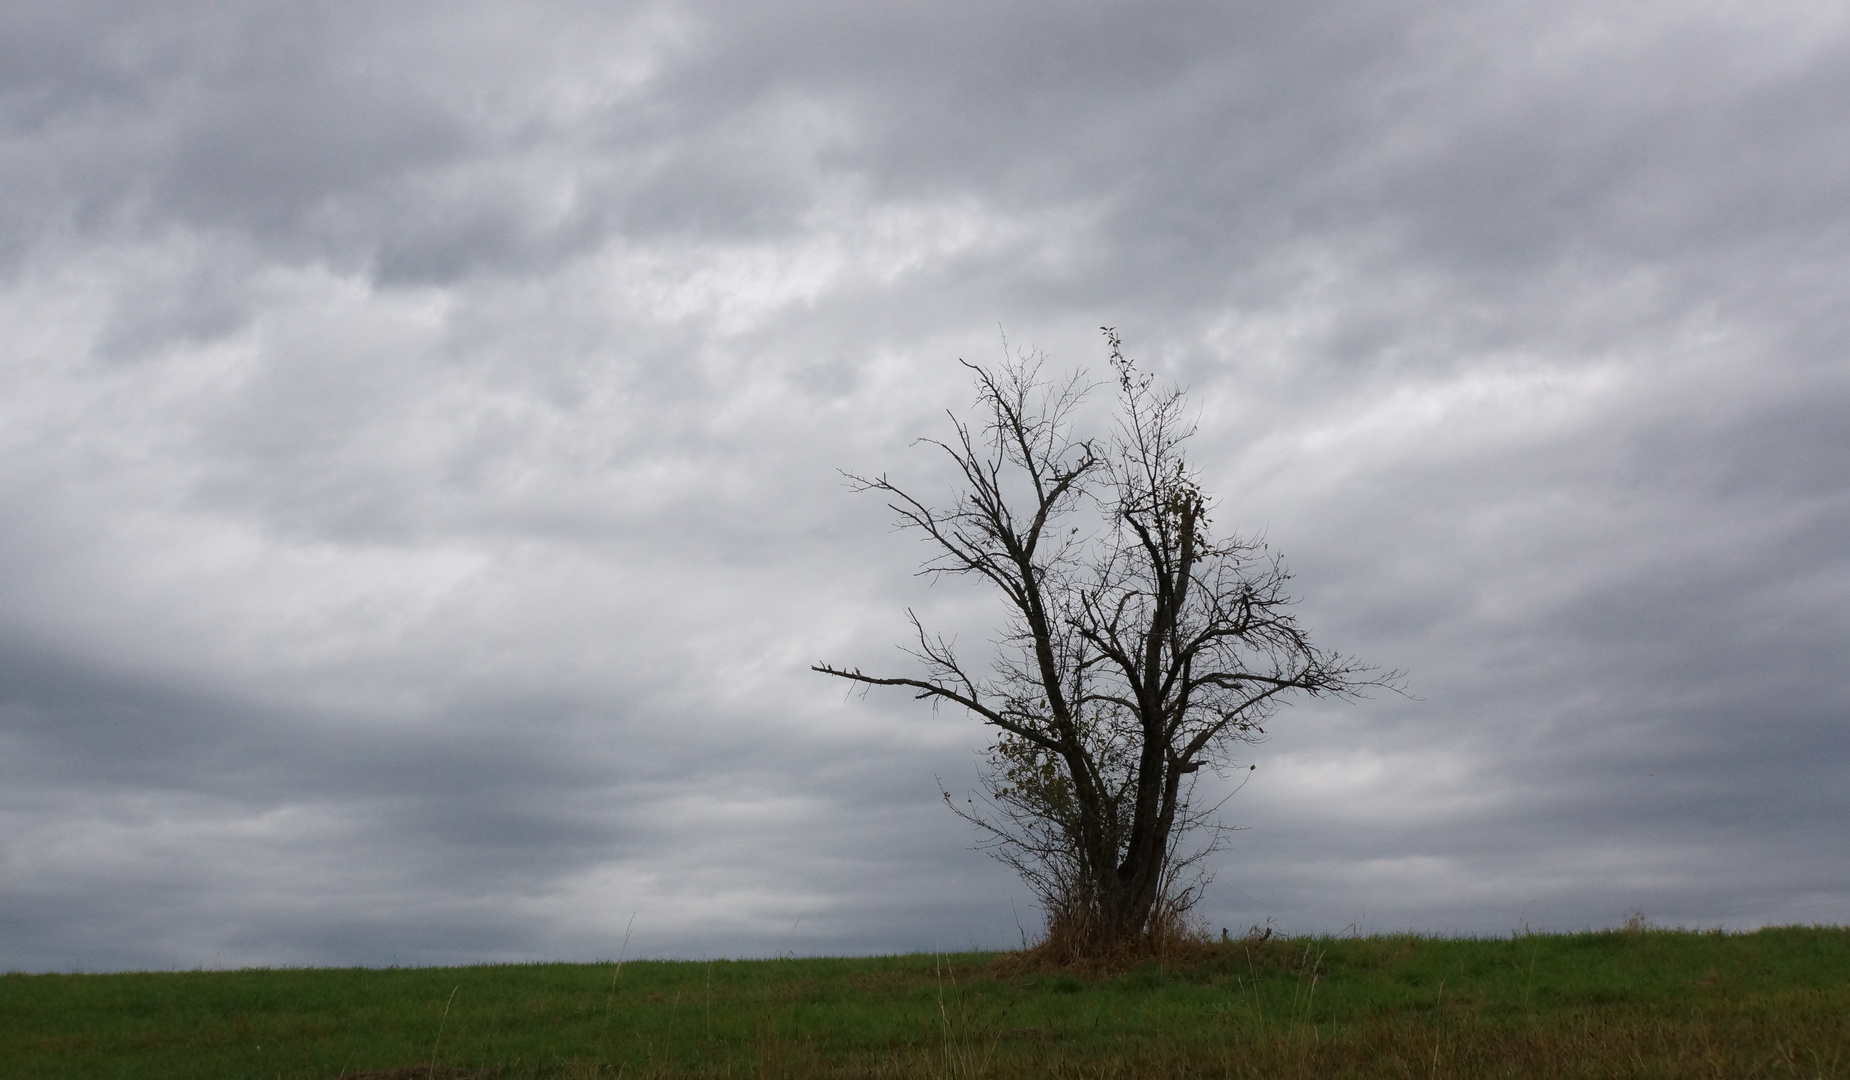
(444, 1019)
(610, 997)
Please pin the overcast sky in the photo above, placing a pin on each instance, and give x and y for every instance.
(419, 426)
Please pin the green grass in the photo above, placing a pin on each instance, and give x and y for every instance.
(1614, 1004)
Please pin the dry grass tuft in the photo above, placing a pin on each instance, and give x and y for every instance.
(1175, 943)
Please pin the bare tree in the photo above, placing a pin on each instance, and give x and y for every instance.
(1137, 649)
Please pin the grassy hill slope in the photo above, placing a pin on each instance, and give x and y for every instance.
(1614, 1004)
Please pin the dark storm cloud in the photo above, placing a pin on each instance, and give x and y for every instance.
(419, 424)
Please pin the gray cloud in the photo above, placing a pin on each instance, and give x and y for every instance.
(418, 429)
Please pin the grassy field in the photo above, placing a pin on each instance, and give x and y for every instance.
(1615, 1004)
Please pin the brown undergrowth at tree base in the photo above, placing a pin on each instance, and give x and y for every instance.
(1177, 952)
(1175, 943)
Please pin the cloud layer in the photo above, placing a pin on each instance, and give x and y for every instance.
(419, 431)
